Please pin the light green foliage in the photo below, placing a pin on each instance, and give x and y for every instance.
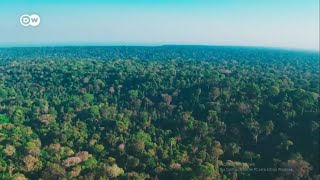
(4, 119)
(94, 111)
(99, 148)
(87, 98)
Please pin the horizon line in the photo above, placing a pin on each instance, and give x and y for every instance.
(130, 44)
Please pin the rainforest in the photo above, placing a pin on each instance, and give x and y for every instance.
(159, 112)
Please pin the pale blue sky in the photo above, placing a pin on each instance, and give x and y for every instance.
(272, 23)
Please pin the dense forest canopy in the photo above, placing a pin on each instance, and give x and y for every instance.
(168, 112)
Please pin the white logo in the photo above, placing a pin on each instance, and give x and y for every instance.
(33, 20)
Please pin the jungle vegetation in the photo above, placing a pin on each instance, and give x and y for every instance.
(167, 112)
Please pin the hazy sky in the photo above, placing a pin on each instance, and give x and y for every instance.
(275, 23)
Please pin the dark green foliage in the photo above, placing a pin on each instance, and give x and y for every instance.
(170, 112)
